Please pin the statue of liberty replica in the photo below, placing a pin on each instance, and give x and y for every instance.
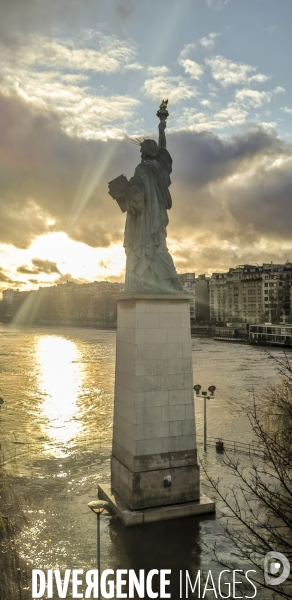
(146, 199)
(154, 452)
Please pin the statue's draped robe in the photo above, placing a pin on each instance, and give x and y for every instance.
(149, 265)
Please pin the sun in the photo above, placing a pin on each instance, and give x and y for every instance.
(75, 258)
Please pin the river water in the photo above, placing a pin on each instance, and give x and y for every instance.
(55, 429)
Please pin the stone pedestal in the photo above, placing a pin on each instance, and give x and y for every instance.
(154, 457)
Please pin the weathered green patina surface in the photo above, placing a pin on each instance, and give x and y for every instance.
(146, 198)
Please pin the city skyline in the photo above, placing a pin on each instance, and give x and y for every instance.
(196, 275)
(247, 293)
(79, 79)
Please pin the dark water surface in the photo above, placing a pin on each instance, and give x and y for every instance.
(58, 390)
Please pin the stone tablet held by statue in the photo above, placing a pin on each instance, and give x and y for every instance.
(116, 190)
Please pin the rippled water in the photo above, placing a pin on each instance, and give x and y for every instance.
(58, 390)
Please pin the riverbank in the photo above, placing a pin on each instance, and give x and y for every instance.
(62, 322)
(204, 330)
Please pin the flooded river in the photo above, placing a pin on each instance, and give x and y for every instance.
(56, 426)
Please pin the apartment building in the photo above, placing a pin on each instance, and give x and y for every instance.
(78, 299)
(237, 296)
(8, 295)
(198, 290)
(234, 299)
(188, 283)
(202, 298)
(64, 300)
(277, 300)
(252, 294)
(218, 297)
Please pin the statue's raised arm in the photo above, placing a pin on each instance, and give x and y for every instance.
(162, 138)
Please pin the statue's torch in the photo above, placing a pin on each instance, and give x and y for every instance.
(162, 112)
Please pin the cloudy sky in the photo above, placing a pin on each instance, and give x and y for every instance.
(78, 77)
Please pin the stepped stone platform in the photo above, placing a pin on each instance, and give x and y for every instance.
(130, 517)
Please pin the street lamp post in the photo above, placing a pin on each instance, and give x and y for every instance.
(211, 390)
(98, 506)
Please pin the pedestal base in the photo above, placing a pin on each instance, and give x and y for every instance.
(149, 515)
(154, 456)
(158, 486)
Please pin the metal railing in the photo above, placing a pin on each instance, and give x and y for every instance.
(233, 445)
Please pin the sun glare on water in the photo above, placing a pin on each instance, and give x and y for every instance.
(60, 379)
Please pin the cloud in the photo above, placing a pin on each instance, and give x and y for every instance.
(217, 4)
(175, 88)
(209, 41)
(4, 278)
(20, 221)
(25, 270)
(205, 102)
(268, 203)
(213, 90)
(156, 71)
(230, 200)
(227, 72)
(53, 182)
(18, 17)
(53, 76)
(186, 50)
(202, 158)
(79, 110)
(227, 194)
(39, 266)
(232, 115)
(236, 194)
(76, 54)
(255, 98)
(21, 18)
(192, 68)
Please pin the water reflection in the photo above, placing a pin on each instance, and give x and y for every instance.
(60, 378)
(174, 545)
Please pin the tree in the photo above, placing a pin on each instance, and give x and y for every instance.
(105, 307)
(275, 305)
(78, 305)
(264, 317)
(14, 575)
(48, 307)
(259, 505)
